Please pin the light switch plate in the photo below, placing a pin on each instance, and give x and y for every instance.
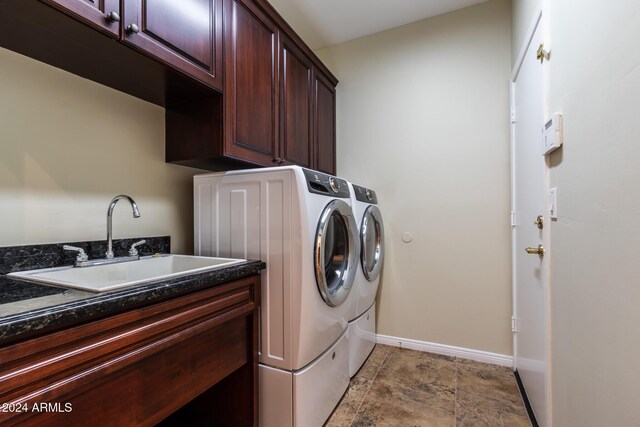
(553, 203)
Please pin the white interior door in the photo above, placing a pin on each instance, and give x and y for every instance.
(529, 202)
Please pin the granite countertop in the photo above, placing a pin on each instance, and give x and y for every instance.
(28, 309)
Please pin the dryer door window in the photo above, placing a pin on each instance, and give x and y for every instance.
(336, 246)
(371, 243)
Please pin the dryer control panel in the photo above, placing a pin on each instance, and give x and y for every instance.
(365, 195)
(327, 185)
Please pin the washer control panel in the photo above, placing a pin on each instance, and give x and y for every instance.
(365, 195)
(327, 185)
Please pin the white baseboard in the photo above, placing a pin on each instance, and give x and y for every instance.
(447, 350)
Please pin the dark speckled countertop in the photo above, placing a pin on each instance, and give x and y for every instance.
(28, 309)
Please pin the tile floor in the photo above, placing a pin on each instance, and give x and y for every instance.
(399, 387)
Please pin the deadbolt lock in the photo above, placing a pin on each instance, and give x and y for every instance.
(542, 54)
(539, 222)
(539, 251)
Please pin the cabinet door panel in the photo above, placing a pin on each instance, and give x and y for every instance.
(325, 124)
(184, 27)
(137, 367)
(184, 34)
(92, 12)
(251, 87)
(295, 105)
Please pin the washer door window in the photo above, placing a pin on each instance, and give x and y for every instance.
(335, 250)
(371, 243)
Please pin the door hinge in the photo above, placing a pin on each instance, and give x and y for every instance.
(513, 115)
(514, 324)
(514, 218)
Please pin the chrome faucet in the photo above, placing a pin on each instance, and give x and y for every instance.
(136, 214)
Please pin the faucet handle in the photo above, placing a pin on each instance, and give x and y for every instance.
(82, 256)
(133, 251)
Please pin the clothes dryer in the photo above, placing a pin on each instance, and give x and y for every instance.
(299, 222)
(362, 321)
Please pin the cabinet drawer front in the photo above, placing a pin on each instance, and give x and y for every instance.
(150, 361)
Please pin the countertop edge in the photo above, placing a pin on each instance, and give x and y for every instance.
(39, 321)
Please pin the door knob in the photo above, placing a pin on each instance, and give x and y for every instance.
(539, 251)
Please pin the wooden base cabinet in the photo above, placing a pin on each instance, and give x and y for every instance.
(139, 367)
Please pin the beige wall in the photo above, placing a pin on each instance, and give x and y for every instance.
(595, 82)
(594, 75)
(69, 145)
(423, 119)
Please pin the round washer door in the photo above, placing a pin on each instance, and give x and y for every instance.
(371, 243)
(335, 251)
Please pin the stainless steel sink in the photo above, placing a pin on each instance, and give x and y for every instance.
(103, 278)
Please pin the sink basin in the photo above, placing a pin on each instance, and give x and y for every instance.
(108, 277)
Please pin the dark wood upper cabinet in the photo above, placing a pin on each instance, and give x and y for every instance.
(241, 89)
(251, 83)
(324, 113)
(104, 15)
(295, 105)
(279, 103)
(186, 35)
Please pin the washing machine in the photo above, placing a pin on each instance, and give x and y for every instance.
(362, 321)
(299, 222)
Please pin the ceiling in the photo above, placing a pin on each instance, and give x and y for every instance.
(323, 23)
